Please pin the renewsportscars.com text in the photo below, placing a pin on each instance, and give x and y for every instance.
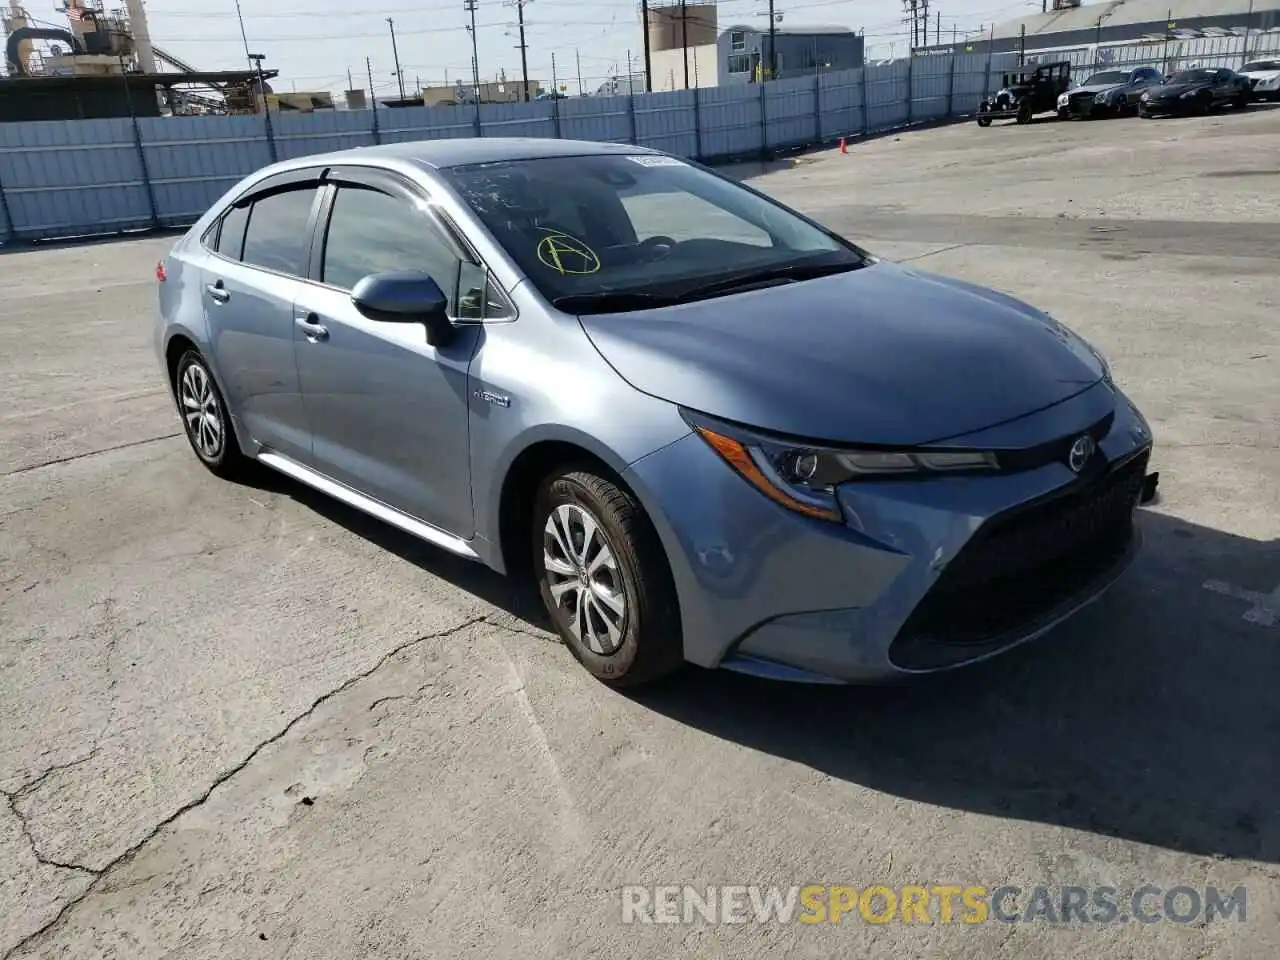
(939, 903)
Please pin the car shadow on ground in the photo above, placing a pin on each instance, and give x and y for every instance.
(1151, 717)
(515, 596)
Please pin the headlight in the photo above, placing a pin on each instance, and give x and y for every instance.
(1100, 98)
(1064, 99)
(1146, 96)
(804, 478)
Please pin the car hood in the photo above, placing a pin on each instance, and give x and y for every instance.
(1096, 88)
(880, 355)
(1177, 89)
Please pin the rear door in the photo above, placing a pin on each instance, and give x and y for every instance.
(258, 266)
(388, 411)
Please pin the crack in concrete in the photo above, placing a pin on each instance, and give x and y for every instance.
(128, 855)
(91, 453)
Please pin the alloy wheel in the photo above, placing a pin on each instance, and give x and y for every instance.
(584, 578)
(201, 412)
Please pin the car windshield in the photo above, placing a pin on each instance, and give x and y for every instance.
(618, 231)
(1107, 76)
(1193, 76)
(1259, 65)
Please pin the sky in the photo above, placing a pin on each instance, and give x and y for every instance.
(313, 44)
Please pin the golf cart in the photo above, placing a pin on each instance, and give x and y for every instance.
(1031, 89)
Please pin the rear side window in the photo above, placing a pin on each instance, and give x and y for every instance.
(374, 232)
(277, 238)
(231, 235)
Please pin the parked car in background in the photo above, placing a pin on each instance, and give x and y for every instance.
(1024, 92)
(1264, 78)
(1109, 93)
(1198, 90)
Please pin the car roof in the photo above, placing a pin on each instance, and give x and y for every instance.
(459, 151)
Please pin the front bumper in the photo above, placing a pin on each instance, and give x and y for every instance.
(924, 575)
(1165, 108)
(1085, 109)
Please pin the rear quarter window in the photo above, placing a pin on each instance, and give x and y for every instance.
(277, 237)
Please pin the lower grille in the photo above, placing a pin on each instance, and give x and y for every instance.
(1023, 564)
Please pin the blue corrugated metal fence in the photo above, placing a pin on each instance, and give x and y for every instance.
(88, 177)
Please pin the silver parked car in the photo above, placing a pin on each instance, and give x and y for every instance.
(709, 428)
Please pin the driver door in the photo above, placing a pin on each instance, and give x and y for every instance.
(388, 411)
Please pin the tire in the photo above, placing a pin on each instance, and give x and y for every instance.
(984, 121)
(205, 419)
(1242, 102)
(1024, 114)
(631, 590)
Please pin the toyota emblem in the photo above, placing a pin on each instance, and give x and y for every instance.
(1080, 453)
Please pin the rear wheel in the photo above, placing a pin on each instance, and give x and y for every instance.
(205, 419)
(604, 579)
(1024, 113)
(1242, 101)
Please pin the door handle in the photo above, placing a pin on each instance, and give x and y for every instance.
(217, 292)
(312, 328)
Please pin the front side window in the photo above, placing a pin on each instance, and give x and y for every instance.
(647, 225)
(373, 232)
(277, 237)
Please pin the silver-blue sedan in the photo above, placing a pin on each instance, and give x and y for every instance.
(709, 428)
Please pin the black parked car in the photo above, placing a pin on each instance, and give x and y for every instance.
(1025, 92)
(1110, 93)
(1196, 91)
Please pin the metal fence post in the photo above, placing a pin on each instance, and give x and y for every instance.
(817, 107)
(10, 228)
(146, 175)
(631, 118)
(764, 119)
(377, 133)
(866, 103)
(555, 113)
(477, 124)
(697, 125)
(951, 85)
(910, 91)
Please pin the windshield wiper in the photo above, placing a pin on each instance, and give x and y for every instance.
(611, 301)
(791, 273)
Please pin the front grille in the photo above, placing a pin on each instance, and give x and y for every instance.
(1024, 563)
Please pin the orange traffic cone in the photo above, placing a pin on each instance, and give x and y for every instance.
(844, 148)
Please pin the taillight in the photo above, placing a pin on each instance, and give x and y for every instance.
(161, 276)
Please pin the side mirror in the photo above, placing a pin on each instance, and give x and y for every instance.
(407, 297)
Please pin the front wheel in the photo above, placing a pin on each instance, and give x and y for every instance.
(984, 121)
(604, 579)
(1024, 114)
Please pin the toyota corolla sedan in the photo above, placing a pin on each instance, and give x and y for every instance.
(710, 429)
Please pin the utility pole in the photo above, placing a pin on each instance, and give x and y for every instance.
(555, 81)
(373, 99)
(524, 57)
(351, 84)
(395, 53)
(937, 30)
(578, 58)
(243, 36)
(630, 87)
(648, 64)
(773, 43)
(470, 7)
(1248, 22)
(1022, 43)
(684, 41)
